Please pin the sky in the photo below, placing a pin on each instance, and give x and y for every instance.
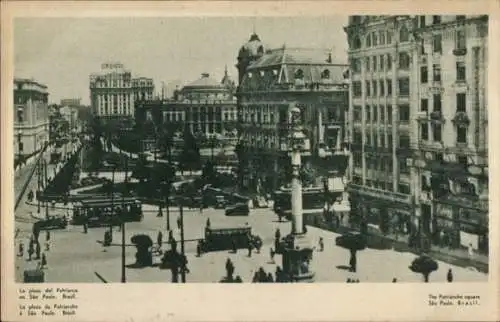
(62, 52)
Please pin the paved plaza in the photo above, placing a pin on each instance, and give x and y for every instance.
(77, 257)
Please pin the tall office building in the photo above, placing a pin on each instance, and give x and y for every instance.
(113, 91)
(418, 126)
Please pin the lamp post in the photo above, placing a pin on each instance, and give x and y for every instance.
(297, 252)
(183, 270)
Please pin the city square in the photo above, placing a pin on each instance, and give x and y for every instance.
(337, 165)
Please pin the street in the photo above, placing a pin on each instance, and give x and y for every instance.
(76, 257)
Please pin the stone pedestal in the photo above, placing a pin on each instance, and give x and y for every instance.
(297, 256)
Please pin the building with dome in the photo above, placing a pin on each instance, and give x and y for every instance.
(269, 82)
(205, 106)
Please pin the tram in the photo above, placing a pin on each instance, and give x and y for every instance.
(107, 211)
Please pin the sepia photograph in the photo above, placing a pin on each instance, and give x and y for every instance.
(343, 149)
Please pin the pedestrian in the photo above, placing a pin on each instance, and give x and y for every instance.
(37, 250)
(321, 244)
(278, 275)
(47, 235)
(208, 223)
(394, 280)
(179, 222)
(233, 244)
(47, 245)
(250, 247)
(270, 278)
(53, 203)
(229, 268)
(238, 279)
(44, 261)
(449, 276)
(201, 207)
(255, 278)
(348, 280)
(170, 236)
(198, 249)
(271, 253)
(85, 228)
(21, 250)
(159, 239)
(471, 251)
(262, 275)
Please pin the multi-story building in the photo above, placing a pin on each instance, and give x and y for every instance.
(418, 126)
(31, 116)
(205, 106)
(113, 91)
(270, 81)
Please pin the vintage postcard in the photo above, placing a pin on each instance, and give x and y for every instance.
(343, 156)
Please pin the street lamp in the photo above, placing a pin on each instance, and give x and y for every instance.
(297, 251)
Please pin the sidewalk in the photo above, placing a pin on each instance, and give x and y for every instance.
(456, 257)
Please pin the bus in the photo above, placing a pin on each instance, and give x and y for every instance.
(98, 212)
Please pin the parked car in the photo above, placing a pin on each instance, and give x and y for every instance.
(239, 209)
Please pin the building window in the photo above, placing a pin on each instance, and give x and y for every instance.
(439, 157)
(389, 37)
(20, 115)
(404, 188)
(404, 113)
(374, 63)
(389, 142)
(381, 62)
(461, 134)
(357, 159)
(437, 43)
(423, 74)
(367, 64)
(404, 86)
(436, 132)
(424, 105)
(375, 114)
(404, 35)
(382, 88)
(436, 72)
(404, 61)
(389, 113)
(375, 39)
(299, 74)
(461, 71)
(367, 86)
(367, 111)
(357, 113)
(382, 114)
(382, 37)
(389, 62)
(403, 167)
(356, 43)
(460, 42)
(436, 107)
(356, 89)
(424, 131)
(375, 89)
(421, 21)
(404, 141)
(355, 65)
(368, 40)
(461, 102)
(389, 87)
(436, 20)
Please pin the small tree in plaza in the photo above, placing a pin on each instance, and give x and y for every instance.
(424, 265)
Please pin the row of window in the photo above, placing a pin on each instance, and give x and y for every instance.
(380, 38)
(436, 133)
(115, 111)
(381, 63)
(436, 73)
(403, 188)
(381, 88)
(461, 103)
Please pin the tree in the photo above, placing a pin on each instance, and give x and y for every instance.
(190, 158)
(141, 171)
(166, 139)
(354, 243)
(424, 265)
(209, 173)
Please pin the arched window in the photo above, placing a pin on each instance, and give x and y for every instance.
(299, 74)
(404, 35)
(260, 50)
(356, 42)
(382, 38)
(404, 61)
(325, 74)
(375, 39)
(368, 40)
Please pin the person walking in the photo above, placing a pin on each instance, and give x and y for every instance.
(43, 262)
(31, 250)
(470, 251)
(229, 269)
(47, 235)
(255, 278)
(449, 276)
(394, 280)
(37, 250)
(85, 228)
(238, 279)
(207, 225)
(250, 247)
(21, 250)
(233, 245)
(198, 249)
(179, 222)
(270, 278)
(159, 240)
(321, 244)
(47, 245)
(278, 275)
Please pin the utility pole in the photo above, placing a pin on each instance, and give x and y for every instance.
(183, 270)
(112, 200)
(39, 189)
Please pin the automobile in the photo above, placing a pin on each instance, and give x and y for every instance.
(239, 209)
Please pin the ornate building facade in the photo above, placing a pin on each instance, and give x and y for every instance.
(113, 91)
(418, 126)
(269, 82)
(205, 106)
(31, 116)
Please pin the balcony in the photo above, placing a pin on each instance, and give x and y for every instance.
(380, 194)
(460, 51)
(461, 119)
(437, 116)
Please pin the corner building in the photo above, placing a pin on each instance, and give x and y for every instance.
(269, 82)
(418, 127)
